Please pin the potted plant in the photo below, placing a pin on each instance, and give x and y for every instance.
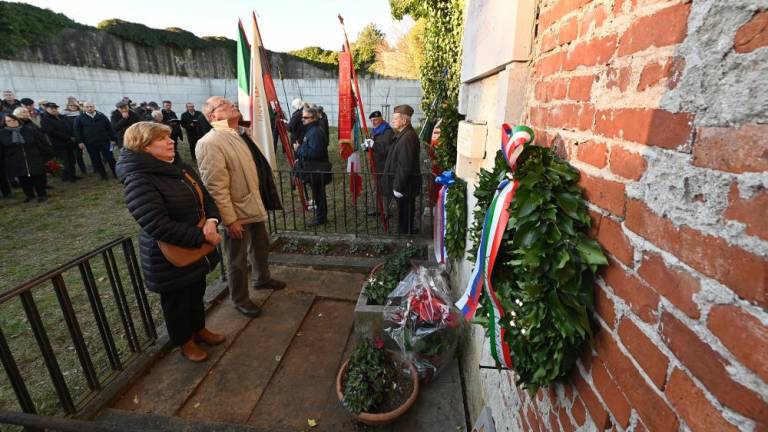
(382, 281)
(374, 385)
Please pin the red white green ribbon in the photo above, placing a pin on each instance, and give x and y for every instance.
(494, 225)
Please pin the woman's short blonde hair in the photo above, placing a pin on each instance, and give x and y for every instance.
(141, 134)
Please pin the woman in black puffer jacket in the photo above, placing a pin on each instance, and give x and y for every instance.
(166, 206)
(23, 152)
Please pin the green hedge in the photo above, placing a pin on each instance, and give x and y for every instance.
(23, 25)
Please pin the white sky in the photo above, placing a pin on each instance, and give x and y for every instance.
(285, 24)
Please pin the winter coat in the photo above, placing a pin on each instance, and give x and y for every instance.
(323, 121)
(27, 159)
(93, 130)
(58, 129)
(166, 206)
(168, 116)
(382, 142)
(120, 124)
(228, 170)
(194, 123)
(402, 172)
(314, 146)
(8, 107)
(296, 127)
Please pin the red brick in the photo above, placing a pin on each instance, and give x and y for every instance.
(653, 410)
(654, 72)
(586, 117)
(568, 31)
(743, 272)
(596, 411)
(710, 369)
(627, 164)
(578, 412)
(605, 307)
(538, 117)
(614, 399)
(677, 286)
(595, 218)
(565, 421)
(568, 389)
(654, 127)
(548, 41)
(753, 34)
(533, 420)
(666, 27)
(580, 88)
(689, 401)
(560, 9)
(643, 301)
(611, 236)
(743, 334)
(593, 52)
(593, 153)
(551, 90)
(617, 78)
(751, 211)
(570, 116)
(594, 16)
(735, 150)
(550, 64)
(604, 193)
(675, 72)
(554, 425)
(650, 358)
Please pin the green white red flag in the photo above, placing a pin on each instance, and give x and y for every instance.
(243, 73)
(261, 129)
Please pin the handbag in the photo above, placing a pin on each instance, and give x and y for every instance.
(181, 256)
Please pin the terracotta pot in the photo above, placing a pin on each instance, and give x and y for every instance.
(382, 418)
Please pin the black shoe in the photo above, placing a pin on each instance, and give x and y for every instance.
(28, 199)
(249, 309)
(49, 187)
(42, 199)
(272, 284)
(75, 178)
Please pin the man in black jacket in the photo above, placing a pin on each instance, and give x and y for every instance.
(62, 139)
(194, 123)
(94, 133)
(295, 125)
(402, 174)
(122, 118)
(168, 113)
(313, 154)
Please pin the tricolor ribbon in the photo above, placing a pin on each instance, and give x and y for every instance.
(512, 145)
(446, 180)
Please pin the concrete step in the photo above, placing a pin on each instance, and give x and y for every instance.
(128, 421)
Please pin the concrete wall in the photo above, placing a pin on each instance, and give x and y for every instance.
(105, 87)
(661, 105)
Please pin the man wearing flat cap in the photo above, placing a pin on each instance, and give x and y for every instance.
(382, 140)
(402, 177)
(62, 138)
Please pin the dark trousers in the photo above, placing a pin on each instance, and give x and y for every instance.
(32, 184)
(318, 194)
(184, 311)
(66, 153)
(192, 138)
(406, 210)
(99, 154)
(5, 185)
(79, 159)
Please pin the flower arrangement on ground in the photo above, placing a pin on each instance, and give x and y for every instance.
(385, 278)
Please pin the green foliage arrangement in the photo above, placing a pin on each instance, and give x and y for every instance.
(545, 269)
(291, 245)
(441, 69)
(23, 25)
(369, 377)
(394, 269)
(456, 220)
(320, 248)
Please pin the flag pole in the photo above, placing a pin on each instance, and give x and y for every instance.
(366, 134)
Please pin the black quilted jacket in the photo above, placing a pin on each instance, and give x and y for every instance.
(166, 206)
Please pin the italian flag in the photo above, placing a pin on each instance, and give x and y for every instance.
(243, 73)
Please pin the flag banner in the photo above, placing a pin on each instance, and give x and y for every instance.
(243, 73)
(346, 105)
(261, 129)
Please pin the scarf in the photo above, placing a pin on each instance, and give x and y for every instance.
(380, 129)
(16, 136)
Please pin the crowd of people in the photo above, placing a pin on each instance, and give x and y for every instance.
(33, 134)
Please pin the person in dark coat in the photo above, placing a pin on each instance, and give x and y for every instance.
(323, 121)
(193, 122)
(70, 114)
(382, 140)
(160, 194)
(313, 157)
(94, 133)
(62, 139)
(402, 174)
(295, 124)
(121, 119)
(168, 113)
(9, 102)
(23, 152)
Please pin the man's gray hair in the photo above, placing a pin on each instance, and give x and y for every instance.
(297, 103)
(312, 111)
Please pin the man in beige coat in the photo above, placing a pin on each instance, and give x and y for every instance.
(229, 171)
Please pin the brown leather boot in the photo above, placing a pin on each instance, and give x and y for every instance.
(209, 338)
(192, 351)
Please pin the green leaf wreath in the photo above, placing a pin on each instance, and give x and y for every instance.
(545, 267)
(456, 220)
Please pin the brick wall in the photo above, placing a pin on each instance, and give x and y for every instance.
(678, 192)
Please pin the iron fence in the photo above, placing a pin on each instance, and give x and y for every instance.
(346, 213)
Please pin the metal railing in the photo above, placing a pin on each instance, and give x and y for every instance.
(132, 336)
(345, 214)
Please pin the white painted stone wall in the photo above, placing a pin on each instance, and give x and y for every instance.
(105, 87)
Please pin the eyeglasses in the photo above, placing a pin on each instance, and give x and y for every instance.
(310, 117)
(226, 102)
